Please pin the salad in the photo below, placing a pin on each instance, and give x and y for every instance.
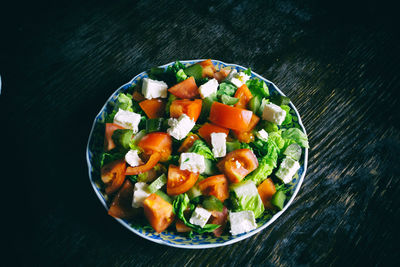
(197, 149)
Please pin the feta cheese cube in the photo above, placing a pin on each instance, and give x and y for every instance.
(154, 89)
(132, 158)
(140, 193)
(192, 162)
(238, 79)
(200, 216)
(242, 222)
(287, 170)
(127, 119)
(208, 88)
(274, 113)
(180, 127)
(263, 135)
(218, 141)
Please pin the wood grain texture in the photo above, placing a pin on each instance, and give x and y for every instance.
(337, 62)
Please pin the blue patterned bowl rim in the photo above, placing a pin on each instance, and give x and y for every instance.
(156, 237)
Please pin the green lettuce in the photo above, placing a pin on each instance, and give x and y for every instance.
(297, 136)
(226, 89)
(201, 148)
(258, 87)
(244, 196)
(181, 76)
(267, 163)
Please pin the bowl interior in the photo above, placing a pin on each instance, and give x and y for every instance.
(95, 145)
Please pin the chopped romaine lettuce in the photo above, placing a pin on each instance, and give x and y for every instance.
(244, 196)
(258, 87)
(201, 148)
(226, 89)
(296, 135)
(181, 76)
(267, 163)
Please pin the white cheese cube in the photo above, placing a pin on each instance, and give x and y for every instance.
(263, 135)
(192, 162)
(208, 88)
(218, 141)
(237, 78)
(287, 170)
(140, 193)
(242, 222)
(132, 158)
(200, 216)
(180, 127)
(274, 113)
(154, 89)
(127, 119)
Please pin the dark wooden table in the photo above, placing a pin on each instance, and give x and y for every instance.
(338, 62)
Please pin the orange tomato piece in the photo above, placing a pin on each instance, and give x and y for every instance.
(108, 142)
(237, 164)
(188, 142)
(181, 227)
(247, 136)
(154, 108)
(113, 175)
(186, 89)
(266, 190)
(207, 129)
(221, 75)
(244, 95)
(158, 212)
(157, 142)
(219, 217)
(185, 106)
(230, 117)
(137, 96)
(180, 181)
(153, 160)
(208, 68)
(121, 207)
(216, 186)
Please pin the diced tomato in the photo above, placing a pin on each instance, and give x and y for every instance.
(154, 108)
(108, 142)
(216, 186)
(180, 181)
(208, 68)
(207, 129)
(157, 142)
(219, 217)
(186, 89)
(230, 117)
(181, 227)
(266, 190)
(221, 75)
(188, 142)
(247, 136)
(138, 97)
(244, 95)
(237, 164)
(185, 106)
(121, 207)
(153, 160)
(113, 175)
(158, 212)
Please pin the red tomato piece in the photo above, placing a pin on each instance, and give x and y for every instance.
(244, 95)
(121, 207)
(180, 181)
(188, 142)
(185, 106)
(216, 186)
(230, 117)
(154, 108)
(266, 190)
(113, 175)
(157, 142)
(108, 142)
(158, 212)
(153, 160)
(237, 164)
(219, 217)
(186, 89)
(207, 129)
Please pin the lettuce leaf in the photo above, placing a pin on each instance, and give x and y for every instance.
(201, 148)
(267, 163)
(258, 87)
(226, 89)
(297, 136)
(244, 196)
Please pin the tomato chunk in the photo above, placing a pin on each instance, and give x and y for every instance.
(207, 129)
(186, 89)
(216, 186)
(153, 160)
(158, 212)
(221, 75)
(181, 227)
(188, 142)
(266, 190)
(247, 136)
(154, 108)
(180, 181)
(113, 175)
(244, 95)
(230, 117)
(237, 164)
(157, 142)
(185, 106)
(219, 217)
(121, 207)
(108, 142)
(138, 97)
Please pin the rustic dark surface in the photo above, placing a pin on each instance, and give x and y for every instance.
(338, 62)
